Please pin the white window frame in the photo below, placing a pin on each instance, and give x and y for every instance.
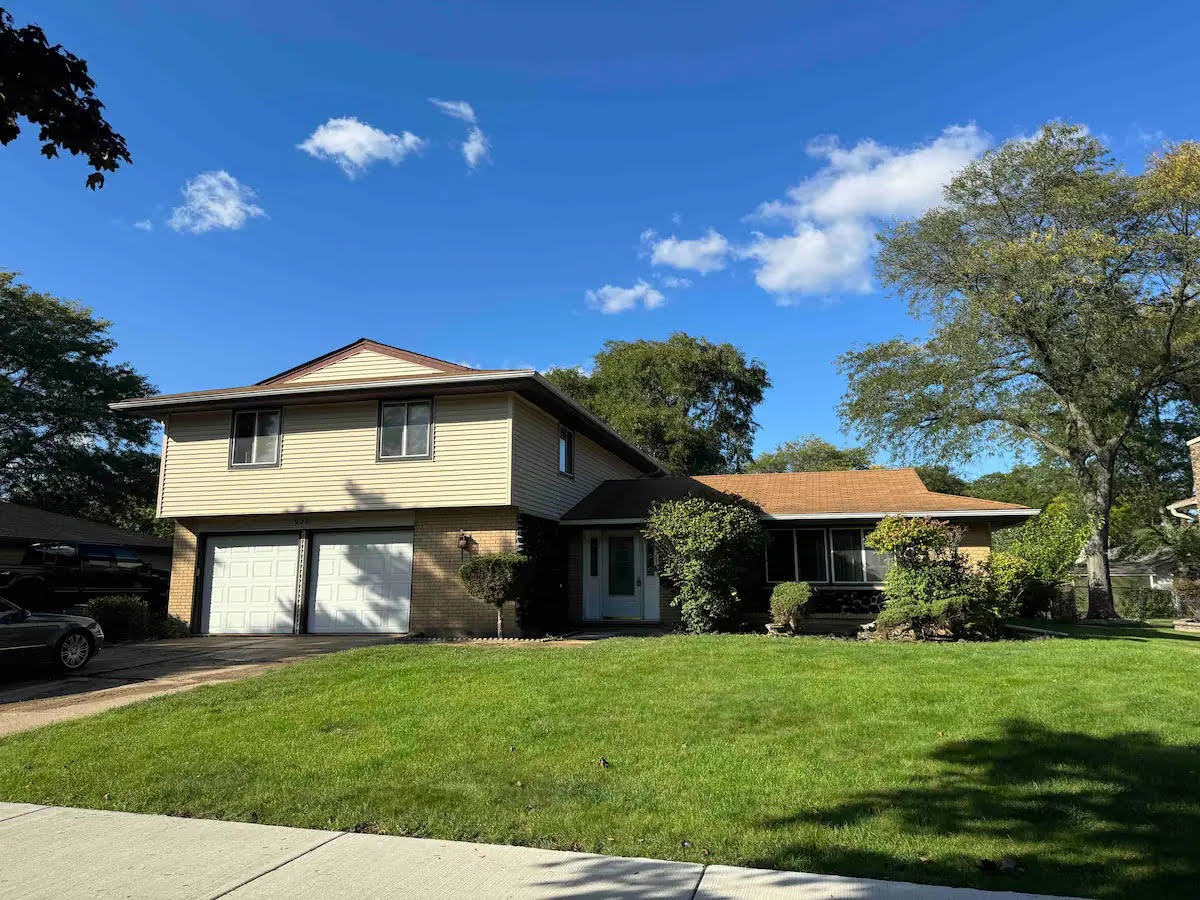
(824, 532)
(254, 440)
(827, 536)
(385, 405)
(566, 435)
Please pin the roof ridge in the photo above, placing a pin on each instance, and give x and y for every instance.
(340, 353)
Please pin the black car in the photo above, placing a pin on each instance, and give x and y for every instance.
(54, 575)
(68, 641)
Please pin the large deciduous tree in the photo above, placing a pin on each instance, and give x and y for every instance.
(811, 454)
(61, 447)
(51, 88)
(685, 400)
(1061, 297)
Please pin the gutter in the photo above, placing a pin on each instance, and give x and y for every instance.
(824, 517)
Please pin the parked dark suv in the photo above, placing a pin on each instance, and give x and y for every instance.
(60, 574)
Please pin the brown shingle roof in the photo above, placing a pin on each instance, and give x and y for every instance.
(869, 492)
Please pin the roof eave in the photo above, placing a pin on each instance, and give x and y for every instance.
(827, 516)
(514, 379)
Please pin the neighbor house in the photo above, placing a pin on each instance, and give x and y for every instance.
(342, 495)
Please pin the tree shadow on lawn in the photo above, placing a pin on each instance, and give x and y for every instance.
(1106, 817)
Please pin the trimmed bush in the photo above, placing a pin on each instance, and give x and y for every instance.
(788, 601)
(704, 549)
(1145, 602)
(495, 578)
(128, 618)
(932, 591)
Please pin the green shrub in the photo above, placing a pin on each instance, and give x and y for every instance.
(1011, 578)
(495, 578)
(123, 618)
(1144, 602)
(128, 618)
(1187, 596)
(171, 627)
(932, 590)
(704, 549)
(787, 602)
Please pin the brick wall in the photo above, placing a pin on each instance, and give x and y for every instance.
(183, 573)
(440, 605)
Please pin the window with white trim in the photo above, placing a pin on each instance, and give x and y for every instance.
(404, 429)
(796, 555)
(255, 438)
(853, 561)
(566, 450)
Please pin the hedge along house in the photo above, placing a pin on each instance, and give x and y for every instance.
(342, 496)
(816, 524)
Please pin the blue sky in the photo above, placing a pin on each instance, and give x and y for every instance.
(634, 169)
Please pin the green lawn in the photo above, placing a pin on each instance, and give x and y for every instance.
(1078, 758)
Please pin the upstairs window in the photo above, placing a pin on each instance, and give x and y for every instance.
(255, 440)
(566, 450)
(404, 430)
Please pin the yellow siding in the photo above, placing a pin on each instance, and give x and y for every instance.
(977, 542)
(537, 485)
(329, 465)
(364, 364)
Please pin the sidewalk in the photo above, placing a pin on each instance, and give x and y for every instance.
(59, 853)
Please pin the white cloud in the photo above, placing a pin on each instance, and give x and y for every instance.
(214, 200)
(144, 225)
(459, 109)
(612, 299)
(475, 148)
(835, 212)
(355, 145)
(704, 254)
(675, 281)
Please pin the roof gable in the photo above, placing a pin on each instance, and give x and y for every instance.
(365, 359)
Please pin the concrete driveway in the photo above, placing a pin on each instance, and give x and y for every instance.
(126, 673)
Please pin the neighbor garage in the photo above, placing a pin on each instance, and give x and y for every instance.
(358, 581)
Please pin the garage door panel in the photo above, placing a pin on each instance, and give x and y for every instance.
(250, 584)
(362, 581)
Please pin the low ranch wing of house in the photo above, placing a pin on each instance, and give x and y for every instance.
(343, 495)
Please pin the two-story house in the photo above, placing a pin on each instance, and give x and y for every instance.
(343, 495)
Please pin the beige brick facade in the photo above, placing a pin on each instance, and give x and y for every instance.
(183, 573)
(439, 603)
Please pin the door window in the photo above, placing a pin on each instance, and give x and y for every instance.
(621, 572)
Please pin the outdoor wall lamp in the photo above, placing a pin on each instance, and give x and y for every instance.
(464, 543)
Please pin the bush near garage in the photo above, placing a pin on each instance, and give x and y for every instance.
(496, 579)
(129, 618)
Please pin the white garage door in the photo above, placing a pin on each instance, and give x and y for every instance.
(361, 581)
(250, 584)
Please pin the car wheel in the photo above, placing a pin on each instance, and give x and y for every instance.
(74, 651)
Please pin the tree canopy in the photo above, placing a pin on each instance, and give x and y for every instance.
(685, 400)
(810, 454)
(61, 447)
(51, 88)
(1061, 297)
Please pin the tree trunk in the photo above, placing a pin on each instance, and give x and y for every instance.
(1099, 582)
(500, 619)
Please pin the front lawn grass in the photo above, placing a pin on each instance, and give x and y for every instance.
(1077, 759)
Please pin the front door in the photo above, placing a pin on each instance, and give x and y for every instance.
(623, 581)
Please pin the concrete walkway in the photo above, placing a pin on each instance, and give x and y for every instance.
(126, 673)
(52, 852)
